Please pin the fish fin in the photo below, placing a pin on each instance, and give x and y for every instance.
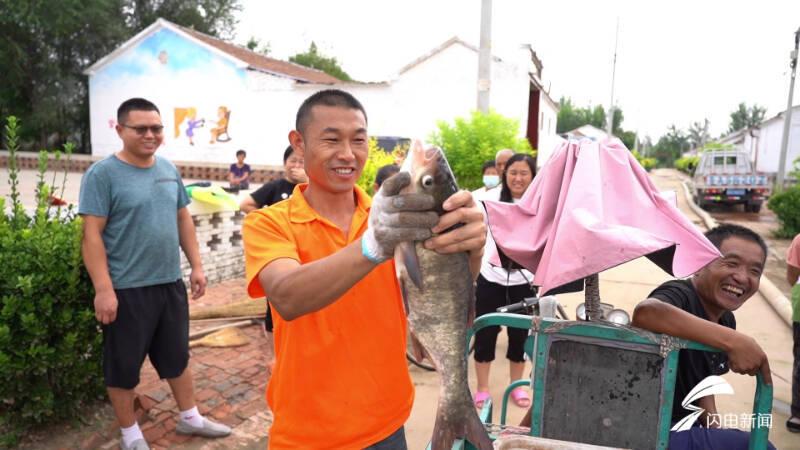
(444, 435)
(419, 350)
(410, 260)
(403, 291)
(446, 431)
(476, 432)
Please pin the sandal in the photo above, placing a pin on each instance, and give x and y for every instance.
(520, 397)
(480, 398)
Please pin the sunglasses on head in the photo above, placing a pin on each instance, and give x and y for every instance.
(142, 130)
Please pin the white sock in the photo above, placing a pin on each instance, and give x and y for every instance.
(192, 417)
(131, 434)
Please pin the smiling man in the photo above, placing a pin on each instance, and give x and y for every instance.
(341, 379)
(135, 222)
(701, 309)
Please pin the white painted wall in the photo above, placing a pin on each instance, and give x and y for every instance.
(765, 147)
(548, 139)
(263, 106)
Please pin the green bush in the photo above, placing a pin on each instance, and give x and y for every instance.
(687, 164)
(647, 164)
(377, 158)
(468, 143)
(50, 345)
(786, 205)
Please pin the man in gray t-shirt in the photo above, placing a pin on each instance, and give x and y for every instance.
(135, 221)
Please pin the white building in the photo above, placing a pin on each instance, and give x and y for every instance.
(763, 142)
(216, 97)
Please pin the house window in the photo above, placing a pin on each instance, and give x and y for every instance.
(541, 121)
(549, 122)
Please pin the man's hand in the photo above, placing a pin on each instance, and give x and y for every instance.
(471, 237)
(298, 174)
(745, 356)
(198, 283)
(396, 218)
(105, 306)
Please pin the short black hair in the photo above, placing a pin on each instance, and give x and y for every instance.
(719, 234)
(328, 97)
(287, 153)
(134, 104)
(241, 152)
(386, 172)
(487, 165)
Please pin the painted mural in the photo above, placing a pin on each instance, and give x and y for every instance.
(199, 91)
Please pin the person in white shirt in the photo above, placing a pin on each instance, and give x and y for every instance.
(497, 286)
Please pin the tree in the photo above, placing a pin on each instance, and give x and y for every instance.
(470, 142)
(316, 60)
(670, 146)
(254, 44)
(698, 134)
(746, 117)
(214, 17)
(45, 46)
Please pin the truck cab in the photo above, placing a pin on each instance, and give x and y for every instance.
(727, 177)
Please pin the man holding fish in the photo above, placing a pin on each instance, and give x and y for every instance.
(323, 257)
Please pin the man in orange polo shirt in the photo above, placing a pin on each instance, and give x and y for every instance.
(341, 379)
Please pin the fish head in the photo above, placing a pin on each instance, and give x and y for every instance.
(430, 173)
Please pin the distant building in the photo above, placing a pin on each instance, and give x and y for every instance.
(763, 142)
(216, 97)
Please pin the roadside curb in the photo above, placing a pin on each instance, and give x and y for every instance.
(779, 303)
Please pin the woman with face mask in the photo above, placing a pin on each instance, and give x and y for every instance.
(499, 286)
(491, 180)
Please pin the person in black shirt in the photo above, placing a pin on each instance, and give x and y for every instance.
(700, 309)
(277, 190)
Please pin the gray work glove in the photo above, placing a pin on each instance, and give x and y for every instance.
(396, 218)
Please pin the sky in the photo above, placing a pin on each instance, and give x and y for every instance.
(677, 61)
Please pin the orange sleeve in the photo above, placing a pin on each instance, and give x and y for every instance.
(267, 237)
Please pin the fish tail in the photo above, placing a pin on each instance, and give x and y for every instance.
(446, 431)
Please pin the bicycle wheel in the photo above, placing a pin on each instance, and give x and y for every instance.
(424, 362)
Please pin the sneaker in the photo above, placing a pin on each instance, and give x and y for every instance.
(209, 429)
(792, 426)
(138, 444)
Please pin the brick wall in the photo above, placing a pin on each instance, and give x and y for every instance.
(189, 169)
(219, 236)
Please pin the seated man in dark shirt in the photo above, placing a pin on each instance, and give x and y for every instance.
(277, 190)
(700, 309)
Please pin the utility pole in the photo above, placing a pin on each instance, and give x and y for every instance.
(485, 57)
(788, 116)
(610, 126)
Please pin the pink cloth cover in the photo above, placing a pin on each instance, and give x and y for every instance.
(590, 208)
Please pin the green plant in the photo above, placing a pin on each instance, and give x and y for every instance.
(647, 164)
(687, 164)
(50, 344)
(377, 158)
(469, 142)
(786, 205)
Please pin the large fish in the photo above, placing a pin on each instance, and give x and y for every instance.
(440, 299)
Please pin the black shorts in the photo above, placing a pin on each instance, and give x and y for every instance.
(151, 320)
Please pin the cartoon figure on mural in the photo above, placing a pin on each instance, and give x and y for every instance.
(186, 119)
(220, 132)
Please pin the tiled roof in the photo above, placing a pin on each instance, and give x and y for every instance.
(264, 63)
